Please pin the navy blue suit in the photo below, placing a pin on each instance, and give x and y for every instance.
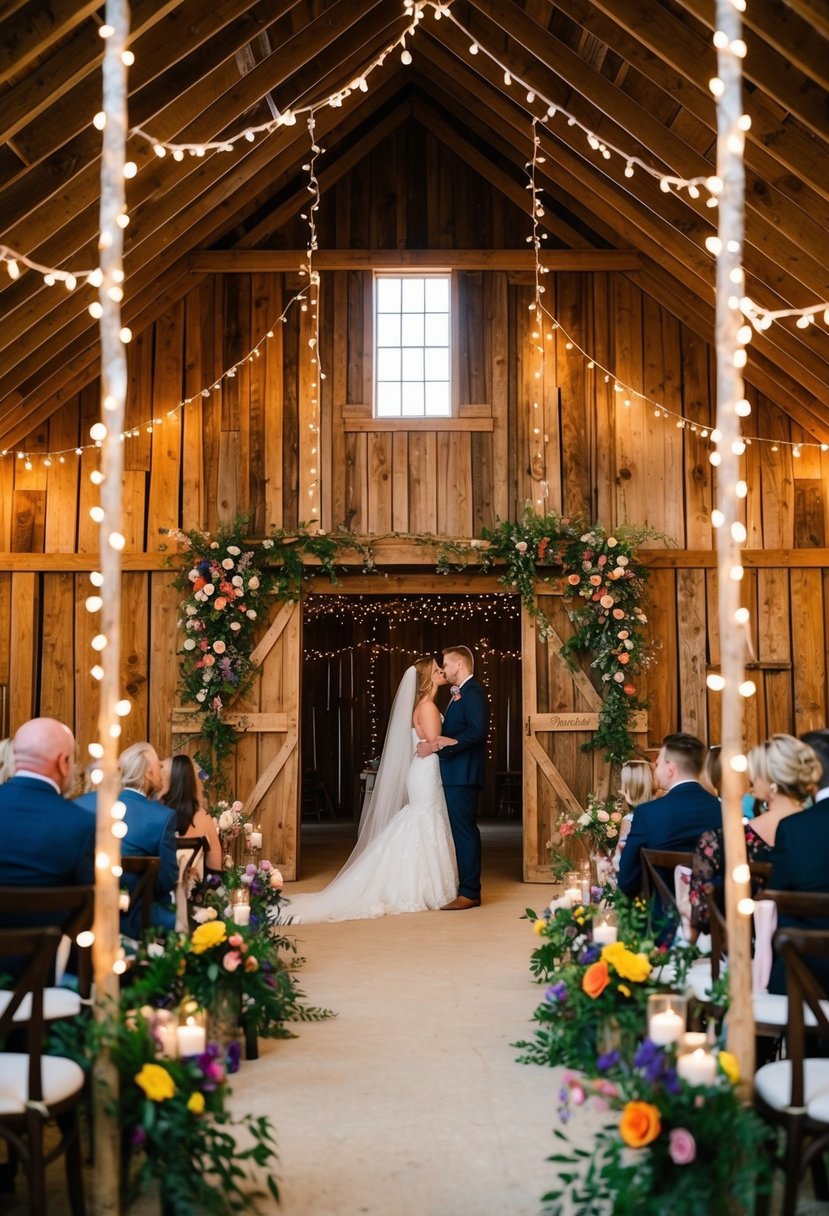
(462, 774)
(800, 862)
(46, 840)
(673, 822)
(151, 832)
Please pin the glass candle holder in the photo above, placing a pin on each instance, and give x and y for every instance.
(585, 872)
(191, 1034)
(605, 929)
(694, 1062)
(572, 887)
(240, 906)
(164, 1024)
(667, 1014)
(255, 838)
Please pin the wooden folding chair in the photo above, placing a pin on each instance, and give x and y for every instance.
(188, 851)
(794, 1093)
(657, 864)
(142, 893)
(36, 1089)
(69, 909)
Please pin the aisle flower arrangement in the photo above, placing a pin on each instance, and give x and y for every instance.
(597, 825)
(596, 995)
(641, 1163)
(212, 899)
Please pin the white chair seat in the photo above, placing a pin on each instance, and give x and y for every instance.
(57, 1003)
(61, 1080)
(772, 1009)
(773, 1083)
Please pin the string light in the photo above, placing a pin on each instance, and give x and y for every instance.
(538, 447)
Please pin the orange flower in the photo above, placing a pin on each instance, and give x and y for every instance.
(624, 657)
(630, 689)
(595, 979)
(640, 1124)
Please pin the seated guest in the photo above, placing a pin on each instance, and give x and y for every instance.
(783, 772)
(679, 817)
(635, 787)
(800, 861)
(46, 842)
(151, 830)
(181, 791)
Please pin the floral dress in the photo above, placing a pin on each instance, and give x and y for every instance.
(709, 863)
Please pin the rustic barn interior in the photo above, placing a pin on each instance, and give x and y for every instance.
(424, 166)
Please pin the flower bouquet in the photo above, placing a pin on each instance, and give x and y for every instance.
(212, 898)
(641, 1163)
(597, 825)
(231, 829)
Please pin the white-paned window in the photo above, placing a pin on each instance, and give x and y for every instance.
(412, 328)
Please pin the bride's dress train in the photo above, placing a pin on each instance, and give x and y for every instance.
(408, 867)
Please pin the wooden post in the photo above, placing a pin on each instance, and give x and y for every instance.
(111, 542)
(730, 532)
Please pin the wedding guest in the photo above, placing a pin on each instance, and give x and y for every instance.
(45, 842)
(6, 760)
(635, 787)
(818, 740)
(151, 830)
(181, 790)
(783, 772)
(679, 817)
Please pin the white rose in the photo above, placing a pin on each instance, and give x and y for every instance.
(267, 544)
(209, 589)
(226, 821)
(200, 596)
(611, 542)
(621, 560)
(228, 563)
(190, 610)
(253, 583)
(250, 614)
(237, 806)
(584, 819)
(214, 544)
(234, 549)
(235, 626)
(190, 644)
(237, 581)
(193, 575)
(201, 695)
(200, 915)
(628, 645)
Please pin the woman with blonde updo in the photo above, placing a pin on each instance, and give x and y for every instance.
(635, 787)
(783, 773)
(6, 761)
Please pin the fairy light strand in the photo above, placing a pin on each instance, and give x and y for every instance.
(537, 419)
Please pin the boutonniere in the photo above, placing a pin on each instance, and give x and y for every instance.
(456, 692)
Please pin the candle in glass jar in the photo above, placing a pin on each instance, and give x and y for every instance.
(697, 1067)
(665, 1027)
(191, 1038)
(241, 914)
(604, 934)
(256, 840)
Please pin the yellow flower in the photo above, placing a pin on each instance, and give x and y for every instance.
(623, 988)
(195, 1104)
(640, 1124)
(156, 1082)
(210, 934)
(629, 966)
(539, 926)
(729, 1065)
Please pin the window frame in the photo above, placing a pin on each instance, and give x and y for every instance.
(411, 272)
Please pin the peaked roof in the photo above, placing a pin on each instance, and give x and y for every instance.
(636, 75)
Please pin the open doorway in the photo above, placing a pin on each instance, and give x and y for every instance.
(355, 651)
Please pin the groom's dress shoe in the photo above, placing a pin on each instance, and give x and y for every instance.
(461, 902)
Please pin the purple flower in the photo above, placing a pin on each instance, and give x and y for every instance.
(683, 1147)
(250, 868)
(651, 1059)
(590, 954)
(556, 992)
(595, 894)
(139, 1137)
(233, 1055)
(607, 1061)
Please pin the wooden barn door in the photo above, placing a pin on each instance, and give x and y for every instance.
(265, 770)
(560, 714)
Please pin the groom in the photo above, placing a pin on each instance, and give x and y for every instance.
(462, 770)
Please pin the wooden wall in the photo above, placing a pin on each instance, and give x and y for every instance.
(240, 450)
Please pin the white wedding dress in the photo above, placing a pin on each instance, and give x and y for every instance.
(404, 859)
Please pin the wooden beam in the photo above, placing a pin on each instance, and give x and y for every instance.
(374, 425)
(241, 261)
(29, 35)
(814, 11)
(675, 43)
(772, 63)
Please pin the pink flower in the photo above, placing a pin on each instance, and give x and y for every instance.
(567, 829)
(618, 614)
(574, 579)
(232, 960)
(220, 603)
(209, 660)
(216, 703)
(219, 647)
(236, 940)
(607, 601)
(602, 560)
(276, 880)
(683, 1147)
(521, 546)
(596, 580)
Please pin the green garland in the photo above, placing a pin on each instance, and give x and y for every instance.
(230, 581)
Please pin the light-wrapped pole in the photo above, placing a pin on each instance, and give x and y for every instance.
(113, 398)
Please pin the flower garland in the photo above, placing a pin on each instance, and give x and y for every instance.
(229, 584)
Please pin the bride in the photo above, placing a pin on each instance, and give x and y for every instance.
(404, 858)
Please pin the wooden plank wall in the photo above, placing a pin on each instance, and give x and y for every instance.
(240, 449)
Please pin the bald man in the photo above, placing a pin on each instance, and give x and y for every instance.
(46, 841)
